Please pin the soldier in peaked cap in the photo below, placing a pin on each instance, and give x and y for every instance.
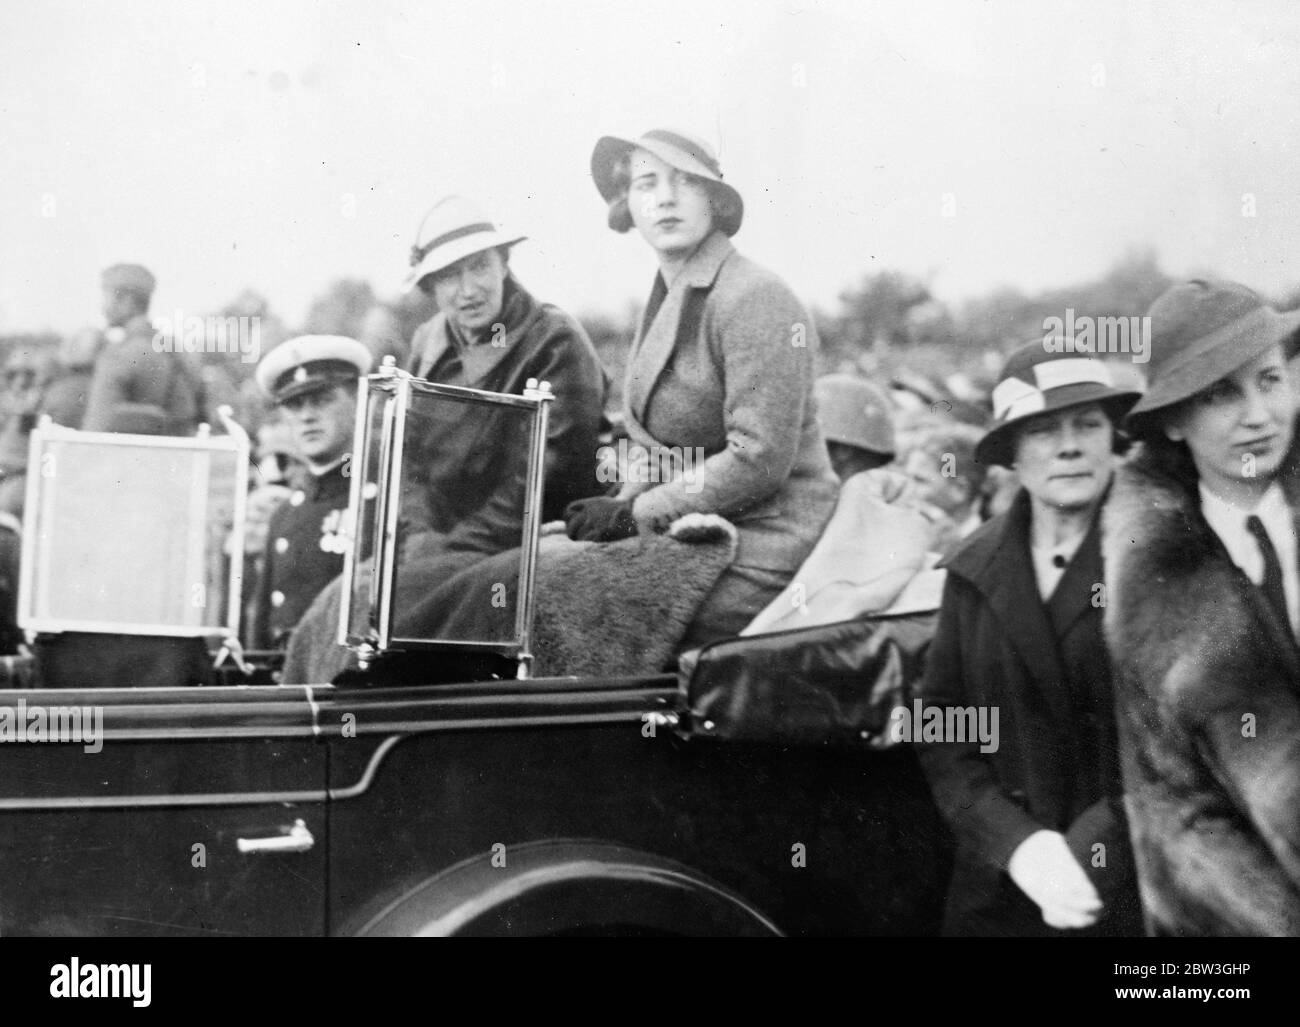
(313, 381)
(131, 370)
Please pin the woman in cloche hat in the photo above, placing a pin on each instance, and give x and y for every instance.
(464, 467)
(1201, 545)
(1042, 844)
(723, 366)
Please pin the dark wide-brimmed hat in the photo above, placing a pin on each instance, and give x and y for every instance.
(1039, 378)
(676, 149)
(1202, 331)
(310, 363)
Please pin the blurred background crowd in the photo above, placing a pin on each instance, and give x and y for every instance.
(934, 364)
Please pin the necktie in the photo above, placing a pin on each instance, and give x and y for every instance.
(1274, 591)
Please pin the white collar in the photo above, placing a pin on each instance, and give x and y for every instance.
(1271, 509)
(1229, 523)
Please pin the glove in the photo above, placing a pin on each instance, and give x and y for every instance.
(1044, 869)
(599, 519)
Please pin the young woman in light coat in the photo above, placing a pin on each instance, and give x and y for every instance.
(722, 369)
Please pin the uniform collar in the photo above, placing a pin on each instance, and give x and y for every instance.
(327, 481)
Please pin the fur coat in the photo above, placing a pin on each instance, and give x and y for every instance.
(1207, 687)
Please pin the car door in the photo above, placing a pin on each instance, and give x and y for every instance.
(187, 811)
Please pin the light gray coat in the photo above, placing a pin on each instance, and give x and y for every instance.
(724, 361)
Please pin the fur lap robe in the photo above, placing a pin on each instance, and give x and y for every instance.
(1207, 688)
(601, 608)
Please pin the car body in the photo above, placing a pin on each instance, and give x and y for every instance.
(536, 807)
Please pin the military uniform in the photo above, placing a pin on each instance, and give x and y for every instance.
(134, 388)
(305, 539)
(304, 553)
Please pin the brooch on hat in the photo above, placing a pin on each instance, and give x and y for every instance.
(418, 253)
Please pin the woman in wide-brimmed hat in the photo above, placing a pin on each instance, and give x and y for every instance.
(722, 366)
(1042, 846)
(1201, 546)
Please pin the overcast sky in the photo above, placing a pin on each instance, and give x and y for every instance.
(282, 145)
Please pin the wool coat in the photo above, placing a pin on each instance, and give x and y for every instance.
(1043, 667)
(131, 372)
(723, 366)
(1207, 685)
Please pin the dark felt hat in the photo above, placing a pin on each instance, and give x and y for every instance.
(1201, 331)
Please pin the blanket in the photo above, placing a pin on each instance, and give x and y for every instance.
(602, 608)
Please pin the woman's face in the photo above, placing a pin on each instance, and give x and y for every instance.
(670, 208)
(471, 292)
(1239, 428)
(1065, 458)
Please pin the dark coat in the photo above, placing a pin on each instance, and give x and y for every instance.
(467, 466)
(1044, 668)
(304, 553)
(132, 373)
(1208, 693)
(463, 470)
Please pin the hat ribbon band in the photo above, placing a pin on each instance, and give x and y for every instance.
(418, 253)
(1016, 397)
(682, 143)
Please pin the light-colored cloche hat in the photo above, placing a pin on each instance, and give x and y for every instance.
(1201, 331)
(309, 363)
(676, 149)
(1040, 378)
(454, 228)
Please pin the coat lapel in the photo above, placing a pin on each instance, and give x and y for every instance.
(431, 348)
(999, 565)
(653, 350)
(1178, 509)
(1283, 640)
(1073, 596)
(518, 312)
(659, 334)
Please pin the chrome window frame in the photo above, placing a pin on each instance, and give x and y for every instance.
(236, 442)
(394, 390)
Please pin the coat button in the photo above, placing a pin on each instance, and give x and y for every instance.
(297, 497)
(282, 545)
(277, 599)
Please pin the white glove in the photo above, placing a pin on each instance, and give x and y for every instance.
(1044, 869)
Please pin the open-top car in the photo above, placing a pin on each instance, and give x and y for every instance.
(509, 781)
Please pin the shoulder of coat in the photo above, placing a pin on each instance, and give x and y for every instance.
(748, 289)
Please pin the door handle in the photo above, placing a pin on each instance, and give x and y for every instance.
(295, 839)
